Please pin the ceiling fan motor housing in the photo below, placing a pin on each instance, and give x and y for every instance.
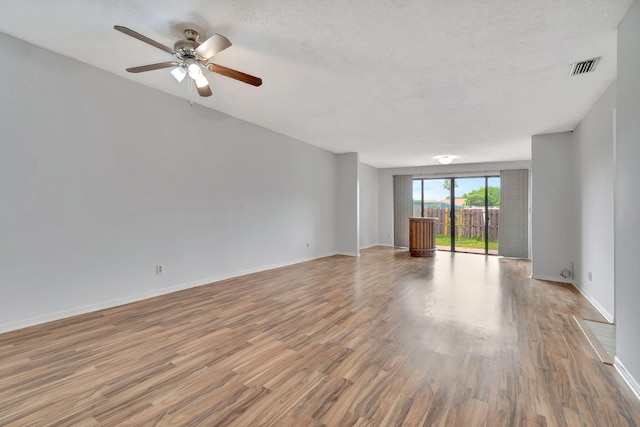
(187, 48)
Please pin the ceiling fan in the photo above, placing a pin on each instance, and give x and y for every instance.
(192, 57)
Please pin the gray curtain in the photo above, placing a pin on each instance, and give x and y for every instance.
(402, 209)
(513, 240)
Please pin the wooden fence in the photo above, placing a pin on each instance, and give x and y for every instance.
(470, 221)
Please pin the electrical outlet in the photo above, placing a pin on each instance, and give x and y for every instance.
(159, 269)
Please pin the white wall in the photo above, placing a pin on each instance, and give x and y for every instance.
(101, 179)
(348, 205)
(385, 183)
(554, 209)
(627, 198)
(595, 167)
(368, 179)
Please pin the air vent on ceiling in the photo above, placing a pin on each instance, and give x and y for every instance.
(583, 67)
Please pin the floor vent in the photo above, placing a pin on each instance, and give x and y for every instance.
(582, 67)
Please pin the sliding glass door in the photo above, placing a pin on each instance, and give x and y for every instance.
(467, 212)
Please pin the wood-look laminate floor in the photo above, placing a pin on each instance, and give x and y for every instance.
(380, 340)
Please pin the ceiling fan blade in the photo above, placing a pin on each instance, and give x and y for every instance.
(145, 39)
(237, 75)
(152, 67)
(214, 44)
(203, 89)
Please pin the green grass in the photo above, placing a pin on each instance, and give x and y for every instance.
(442, 240)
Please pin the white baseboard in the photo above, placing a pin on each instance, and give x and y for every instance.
(628, 378)
(594, 302)
(373, 246)
(551, 278)
(588, 297)
(368, 246)
(349, 253)
(75, 311)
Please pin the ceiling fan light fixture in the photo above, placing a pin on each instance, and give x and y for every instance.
(179, 73)
(195, 72)
(445, 159)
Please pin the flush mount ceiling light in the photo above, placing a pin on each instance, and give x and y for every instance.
(445, 159)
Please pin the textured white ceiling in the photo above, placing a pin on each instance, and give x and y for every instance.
(399, 81)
